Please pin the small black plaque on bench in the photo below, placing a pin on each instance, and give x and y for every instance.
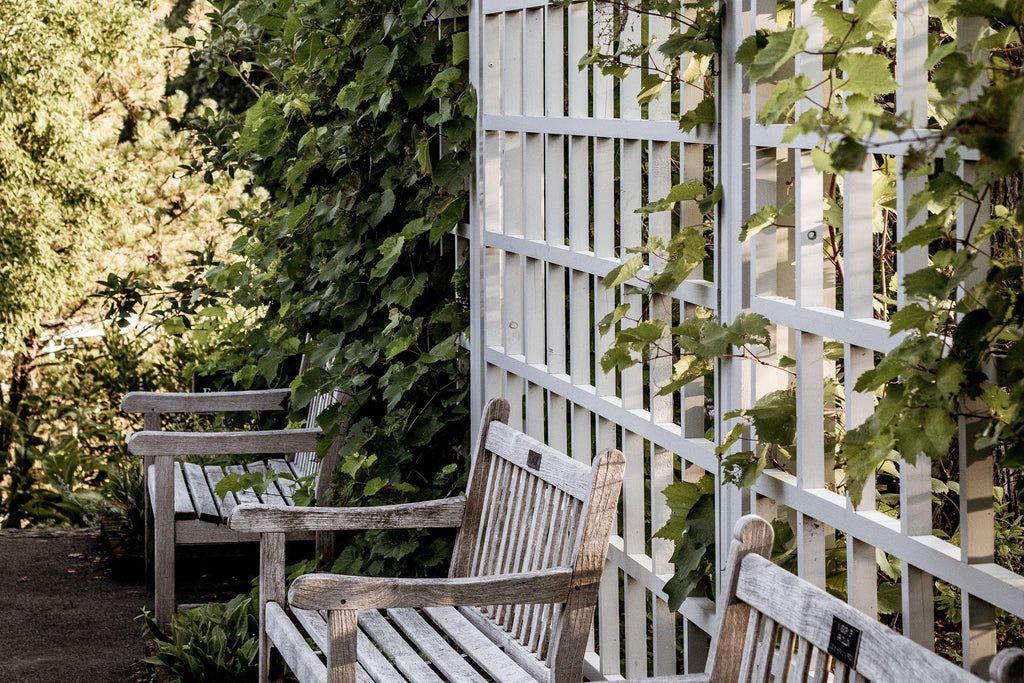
(533, 460)
(843, 642)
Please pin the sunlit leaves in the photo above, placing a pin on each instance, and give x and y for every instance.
(763, 55)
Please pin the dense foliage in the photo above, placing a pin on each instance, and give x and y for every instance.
(90, 150)
(961, 356)
(360, 132)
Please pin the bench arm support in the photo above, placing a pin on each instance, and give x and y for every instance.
(337, 592)
(443, 513)
(147, 443)
(212, 402)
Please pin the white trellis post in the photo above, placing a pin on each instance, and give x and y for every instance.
(564, 157)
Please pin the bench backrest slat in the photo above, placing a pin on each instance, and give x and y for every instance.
(794, 604)
(526, 510)
(776, 627)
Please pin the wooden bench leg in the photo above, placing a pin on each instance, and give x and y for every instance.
(163, 532)
(272, 589)
(150, 545)
(341, 660)
(325, 548)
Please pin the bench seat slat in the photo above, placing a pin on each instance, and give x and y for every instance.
(285, 486)
(183, 508)
(199, 489)
(375, 665)
(391, 643)
(272, 496)
(214, 473)
(245, 495)
(289, 642)
(437, 650)
(478, 646)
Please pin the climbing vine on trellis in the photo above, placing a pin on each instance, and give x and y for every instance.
(964, 322)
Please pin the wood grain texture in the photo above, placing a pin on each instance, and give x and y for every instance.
(163, 533)
(160, 402)
(436, 649)
(435, 513)
(884, 655)
(342, 626)
(495, 412)
(534, 529)
(570, 633)
(390, 642)
(199, 489)
(222, 443)
(545, 462)
(271, 592)
(751, 535)
(477, 646)
(213, 402)
(786, 626)
(334, 591)
(303, 662)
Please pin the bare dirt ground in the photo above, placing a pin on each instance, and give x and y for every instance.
(64, 618)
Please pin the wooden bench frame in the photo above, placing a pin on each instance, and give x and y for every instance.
(533, 535)
(166, 497)
(777, 627)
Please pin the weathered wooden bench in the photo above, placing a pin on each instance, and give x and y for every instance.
(778, 627)
(518, 604)
(181, 505)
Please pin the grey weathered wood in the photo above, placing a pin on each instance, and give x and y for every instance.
(184, 508)
(437, 650)
(272, 494)
(752, 535)
(334, 591)
(477, 646)
(552, 467)
(342, 627)
(435, 513)
(163, 533)
(405, 658)
(289, 642)
(271, 593)
(570, 634)
(533, 529)
(524, 656)
(285, 486)
(222, 443)
(314, 623)
(809, 611)
(245, 496)
(214, 473)
(199, 488)
(495, 412)
(213, 402)
(189, 517)
(776, 626)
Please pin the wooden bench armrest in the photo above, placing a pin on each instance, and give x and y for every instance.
(212, 402)
(334, 591)
(1007, 666)
(253, 518)
(149, 443)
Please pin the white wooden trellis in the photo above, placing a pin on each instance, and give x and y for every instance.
(564, 158)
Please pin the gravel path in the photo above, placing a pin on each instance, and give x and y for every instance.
(62, 617)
